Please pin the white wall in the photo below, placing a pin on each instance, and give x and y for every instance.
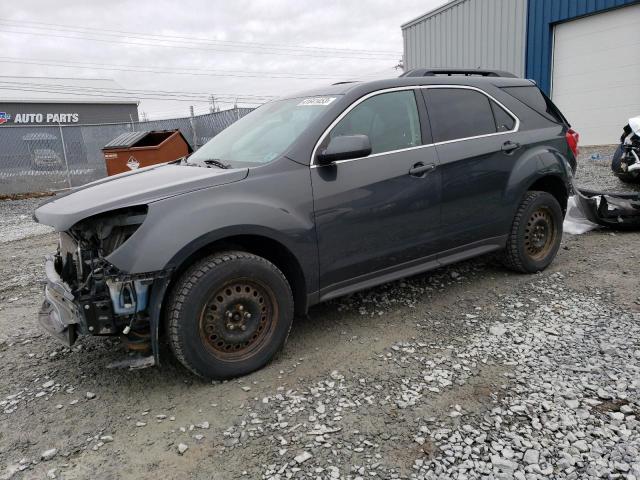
(596, 73)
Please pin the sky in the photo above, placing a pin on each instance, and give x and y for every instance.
(176, 54)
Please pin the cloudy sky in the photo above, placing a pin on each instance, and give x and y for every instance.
(176, 54)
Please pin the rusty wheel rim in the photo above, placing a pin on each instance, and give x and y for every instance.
(238, 319)
(540, 234)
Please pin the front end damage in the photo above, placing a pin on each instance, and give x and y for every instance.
(87, 295)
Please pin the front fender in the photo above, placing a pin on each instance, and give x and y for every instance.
(276, 205)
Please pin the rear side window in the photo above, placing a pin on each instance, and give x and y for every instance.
(538, 101)
(504, 121)
(390, 120)
(458, 113)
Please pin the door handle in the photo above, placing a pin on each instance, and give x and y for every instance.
(509, 146)
(421, 170)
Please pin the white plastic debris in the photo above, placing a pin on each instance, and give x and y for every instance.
(575, 223)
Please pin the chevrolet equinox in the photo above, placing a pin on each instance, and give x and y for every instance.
(308, 198)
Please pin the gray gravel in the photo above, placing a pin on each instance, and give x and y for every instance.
(573, 404)
(594, 170)
(567, 409)
(16, 222)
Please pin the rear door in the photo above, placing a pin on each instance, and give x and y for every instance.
(476, 140)
(373, 213)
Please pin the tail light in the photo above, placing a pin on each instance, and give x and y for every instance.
(572, 140)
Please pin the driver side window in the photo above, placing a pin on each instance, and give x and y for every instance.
(390, 120)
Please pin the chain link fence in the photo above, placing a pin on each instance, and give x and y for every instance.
(46, 158)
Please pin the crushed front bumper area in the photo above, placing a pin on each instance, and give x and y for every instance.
(106, 302)
(59, 314)
(619, 211)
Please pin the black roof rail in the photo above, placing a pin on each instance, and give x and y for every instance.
(432, 72)
(346, 81)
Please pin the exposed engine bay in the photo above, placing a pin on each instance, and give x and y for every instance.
(85, 294)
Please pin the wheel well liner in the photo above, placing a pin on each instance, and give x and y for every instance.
(555, 186)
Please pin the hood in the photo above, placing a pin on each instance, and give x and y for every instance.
(138, 187)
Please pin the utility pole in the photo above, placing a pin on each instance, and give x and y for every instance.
(64, 155)
(212, 106)
(193, 127)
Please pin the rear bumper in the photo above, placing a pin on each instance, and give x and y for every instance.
(59, 315)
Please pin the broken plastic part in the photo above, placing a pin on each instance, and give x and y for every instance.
(610, 209)
(129, 297)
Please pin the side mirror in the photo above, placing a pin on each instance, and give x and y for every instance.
(345, 147)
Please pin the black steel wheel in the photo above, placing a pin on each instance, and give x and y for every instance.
(238, 318)
(540, 233)
(535, 234)
(229, 315)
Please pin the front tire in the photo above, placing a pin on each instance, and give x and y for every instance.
(615, 166)
(535, 234)
(229, 314)
(628, 178)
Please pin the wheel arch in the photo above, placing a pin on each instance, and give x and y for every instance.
(553, 185)
(259, 244)
(543, 168)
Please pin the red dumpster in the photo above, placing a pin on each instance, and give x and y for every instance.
(134, 150)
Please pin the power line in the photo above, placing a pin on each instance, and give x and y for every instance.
(192, 47)
(232, 43)
(190, 71)
(129, 95)
(179, 113)
(200, 109)
(132, 98)
(64, 87)
(164, 37)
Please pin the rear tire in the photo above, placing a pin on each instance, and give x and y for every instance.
(535, 234)
(229, 314)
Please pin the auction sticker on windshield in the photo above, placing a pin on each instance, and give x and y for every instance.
(316, 101)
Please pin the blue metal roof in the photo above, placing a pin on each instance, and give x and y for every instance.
(542, 16)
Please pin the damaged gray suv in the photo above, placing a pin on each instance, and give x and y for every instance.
(305, 199)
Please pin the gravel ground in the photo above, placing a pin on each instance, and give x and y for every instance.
(594, 170)
(469, 372)
(16, 222)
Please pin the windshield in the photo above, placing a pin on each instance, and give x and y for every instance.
(262, 135)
